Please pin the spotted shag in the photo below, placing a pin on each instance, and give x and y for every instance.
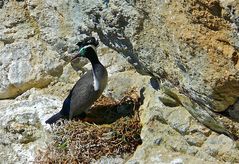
(88, 88)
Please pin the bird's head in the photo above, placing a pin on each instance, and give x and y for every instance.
(86, 47)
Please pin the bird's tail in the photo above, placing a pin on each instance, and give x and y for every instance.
(54, 118)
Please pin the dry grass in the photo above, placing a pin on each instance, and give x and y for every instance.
(83, 142)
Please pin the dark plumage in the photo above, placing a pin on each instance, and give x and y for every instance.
(88, 88)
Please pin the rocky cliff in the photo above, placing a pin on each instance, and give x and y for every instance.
(182, 54)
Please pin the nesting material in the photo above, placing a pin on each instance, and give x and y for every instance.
(114, 129)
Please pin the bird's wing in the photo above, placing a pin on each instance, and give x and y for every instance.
(80, 84)
(66, 106)
(83, 94)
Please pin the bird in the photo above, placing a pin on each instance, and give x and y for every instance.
(88, 88)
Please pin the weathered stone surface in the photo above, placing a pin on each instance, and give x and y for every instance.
(173, 130)
(186, 57)
(220, 147)
(23, 130)
(200, 55)
(25, 60)
(116, 25)
(204, 116)
(191, 46)
(26, 64)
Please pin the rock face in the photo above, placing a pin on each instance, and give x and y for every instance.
(26, 60)
(171, 133)
(23, 131)
(200, 55)
(185, 54)
(25, 64)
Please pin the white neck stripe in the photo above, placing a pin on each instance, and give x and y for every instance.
(96, 82)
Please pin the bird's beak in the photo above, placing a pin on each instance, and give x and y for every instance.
(76, 56)
(75, 53)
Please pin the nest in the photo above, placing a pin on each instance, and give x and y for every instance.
(110, 128)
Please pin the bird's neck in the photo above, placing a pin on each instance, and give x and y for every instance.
(93, 57)
(96, 64)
